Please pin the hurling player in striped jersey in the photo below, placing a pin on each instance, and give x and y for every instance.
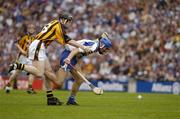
(53, 31)
(23, 45)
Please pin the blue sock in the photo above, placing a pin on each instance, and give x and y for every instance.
(71, 98)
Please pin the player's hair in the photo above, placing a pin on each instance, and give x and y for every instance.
(65, 16)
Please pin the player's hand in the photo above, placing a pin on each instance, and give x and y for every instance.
(67, 61)
(65, 67)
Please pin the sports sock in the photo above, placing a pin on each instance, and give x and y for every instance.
(49, 94)
(20, 66)
(71, 98)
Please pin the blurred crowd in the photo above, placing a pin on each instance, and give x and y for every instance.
(145, 35)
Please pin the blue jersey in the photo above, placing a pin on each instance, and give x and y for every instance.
(92, 44)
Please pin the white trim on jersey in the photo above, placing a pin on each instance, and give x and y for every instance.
(93, 45)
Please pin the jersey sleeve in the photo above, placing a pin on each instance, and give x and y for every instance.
(88, 43)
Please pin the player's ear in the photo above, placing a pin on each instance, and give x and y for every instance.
(101, 45)
(62, 21)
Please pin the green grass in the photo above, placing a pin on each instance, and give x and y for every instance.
(110, 105)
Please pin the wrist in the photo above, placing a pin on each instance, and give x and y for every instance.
(68, 59)
(84, 48)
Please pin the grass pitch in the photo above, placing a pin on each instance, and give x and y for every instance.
(110, 105)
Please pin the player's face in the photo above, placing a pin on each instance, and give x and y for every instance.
(31, 28)
(103, 50)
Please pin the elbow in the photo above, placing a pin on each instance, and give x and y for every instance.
(70, 42)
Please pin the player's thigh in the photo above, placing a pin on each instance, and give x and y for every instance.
(48, 65)
(74, 73)
(40, 65)
(15, 73)
(31, 77)
(76, 76)
(61, 75)
(47, 83)
(49, 72)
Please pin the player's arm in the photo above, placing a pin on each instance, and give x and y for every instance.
(69, 41)
(71, 55)
(20, 49)
(61, 36)
(76, 44)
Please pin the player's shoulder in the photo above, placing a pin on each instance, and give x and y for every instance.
(54, 21)
(87, 42)
(25, 36)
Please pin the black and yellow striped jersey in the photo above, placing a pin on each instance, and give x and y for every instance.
(53, 31)
(25, 40)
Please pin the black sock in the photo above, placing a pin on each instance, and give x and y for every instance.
(20, 66)
(49, 94)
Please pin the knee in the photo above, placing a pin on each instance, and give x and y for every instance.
(60, 85)
(39, 74)
(79, 82)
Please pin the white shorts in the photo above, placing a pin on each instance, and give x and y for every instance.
(41, 54)
(24, 60)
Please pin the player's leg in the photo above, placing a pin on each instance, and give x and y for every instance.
(50, 77)
(49, 73)
(75, 88)
(51, 100)
(11, 78)
(37, 54)
(30, 89)
(28, 68)
(61, 75)
(24, 60)
(65, 67)
(42, 67)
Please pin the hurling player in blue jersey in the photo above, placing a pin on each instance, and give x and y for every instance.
(70, 56)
